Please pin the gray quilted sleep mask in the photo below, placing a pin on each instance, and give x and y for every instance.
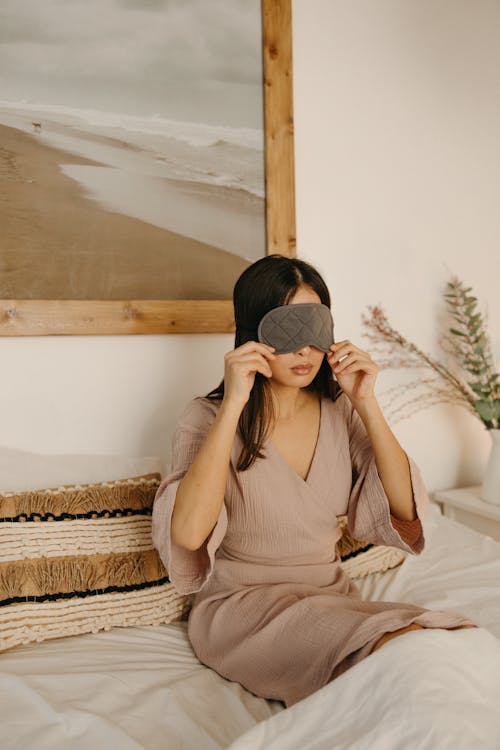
(291, 327)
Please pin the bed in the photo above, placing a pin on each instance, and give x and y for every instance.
(143, 687)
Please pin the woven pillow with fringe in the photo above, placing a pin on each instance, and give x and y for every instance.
(79, 559)
(359, 559)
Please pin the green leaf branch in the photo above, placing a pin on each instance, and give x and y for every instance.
(470, 380)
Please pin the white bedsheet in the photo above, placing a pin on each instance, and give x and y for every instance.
(426, 690)
(128, 688)
(458, 570)
(137, 688)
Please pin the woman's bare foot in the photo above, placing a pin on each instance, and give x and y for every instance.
(413, 626)
(458, 627)
(388, 636)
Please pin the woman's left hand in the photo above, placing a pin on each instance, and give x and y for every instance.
(357, 372)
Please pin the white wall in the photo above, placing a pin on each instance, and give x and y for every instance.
(397, 125)
(103, 394)
(397, 182)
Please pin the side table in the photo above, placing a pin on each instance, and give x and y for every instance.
(465, 505)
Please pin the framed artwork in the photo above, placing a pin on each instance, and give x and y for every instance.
(147, 161)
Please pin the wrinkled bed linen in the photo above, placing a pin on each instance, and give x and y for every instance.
(144, 688)
(429, 689)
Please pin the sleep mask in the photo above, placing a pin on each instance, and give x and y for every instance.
(291, 327)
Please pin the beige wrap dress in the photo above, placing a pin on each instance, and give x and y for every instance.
(273, 609)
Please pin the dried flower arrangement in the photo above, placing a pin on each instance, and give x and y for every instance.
(469, 380)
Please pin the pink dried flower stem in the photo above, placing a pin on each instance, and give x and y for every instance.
(412, 356)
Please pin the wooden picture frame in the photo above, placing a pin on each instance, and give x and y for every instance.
(105, 317)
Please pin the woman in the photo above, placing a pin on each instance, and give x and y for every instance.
(261, 468)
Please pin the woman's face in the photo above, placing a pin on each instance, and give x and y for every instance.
(298, 369)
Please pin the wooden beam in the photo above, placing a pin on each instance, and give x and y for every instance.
(278, 115)
(99, 317)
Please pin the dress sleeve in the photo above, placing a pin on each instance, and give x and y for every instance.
(369, 516)
(188, 570)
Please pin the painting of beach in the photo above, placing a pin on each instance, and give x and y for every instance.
(131, 148)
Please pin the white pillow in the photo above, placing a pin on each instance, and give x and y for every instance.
(22, 470)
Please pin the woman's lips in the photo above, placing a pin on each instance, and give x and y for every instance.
(302, 369)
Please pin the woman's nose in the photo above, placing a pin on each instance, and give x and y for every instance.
(304, 349)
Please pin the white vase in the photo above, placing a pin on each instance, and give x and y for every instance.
(490, 490)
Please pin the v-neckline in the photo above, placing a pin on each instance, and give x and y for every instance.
(315, 454)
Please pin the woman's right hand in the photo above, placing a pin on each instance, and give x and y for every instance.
(240, 367)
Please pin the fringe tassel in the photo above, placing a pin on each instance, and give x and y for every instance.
(346, 545)
(12, 578)
(136, 493)
(66, 574)
(37, 577)
(125, 569)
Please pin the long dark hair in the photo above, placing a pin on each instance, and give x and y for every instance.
(270, 282)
